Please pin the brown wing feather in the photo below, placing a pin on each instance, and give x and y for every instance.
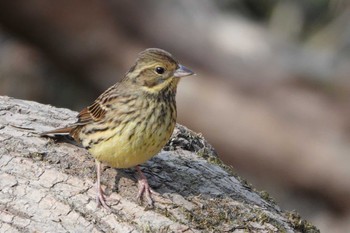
(97, 110)
(94, 112)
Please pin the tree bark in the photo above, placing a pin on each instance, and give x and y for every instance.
(48, 186)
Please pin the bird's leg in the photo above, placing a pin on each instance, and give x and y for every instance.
(100, 196)
(144, 187)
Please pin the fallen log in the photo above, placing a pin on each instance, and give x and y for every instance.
(48, 186)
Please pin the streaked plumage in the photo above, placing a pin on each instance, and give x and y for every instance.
(132, 120)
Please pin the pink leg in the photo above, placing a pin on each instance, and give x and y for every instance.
(144, 187)
(100, 197)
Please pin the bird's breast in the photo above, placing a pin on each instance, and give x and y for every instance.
(132, 137)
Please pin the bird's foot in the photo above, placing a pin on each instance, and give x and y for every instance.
(144, 189)
(101, 199)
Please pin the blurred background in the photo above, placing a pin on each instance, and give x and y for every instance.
(271, 93)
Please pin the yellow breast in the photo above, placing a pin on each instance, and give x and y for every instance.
(133, 142)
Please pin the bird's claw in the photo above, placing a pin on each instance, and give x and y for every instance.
(146, 191)
(101, 199)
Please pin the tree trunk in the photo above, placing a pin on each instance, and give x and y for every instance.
(48, 186)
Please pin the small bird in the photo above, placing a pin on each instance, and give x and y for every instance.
(132, 120)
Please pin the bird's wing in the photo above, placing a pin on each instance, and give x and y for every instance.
(97, 110)
(94, 112)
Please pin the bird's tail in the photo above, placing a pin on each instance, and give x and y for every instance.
(62, 135)
(58, 132)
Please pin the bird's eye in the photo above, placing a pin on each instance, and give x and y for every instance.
(160, 70)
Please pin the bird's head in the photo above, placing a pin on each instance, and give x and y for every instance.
(156, 69)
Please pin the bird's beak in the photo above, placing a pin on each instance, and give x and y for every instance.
(182, 71)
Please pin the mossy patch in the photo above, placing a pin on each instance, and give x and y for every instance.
(222, 214)
(300, 224)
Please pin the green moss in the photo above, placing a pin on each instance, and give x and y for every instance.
(210, 216)
(165, 212)
(300, 224)
(147, 228)
(266, 196)
(260, 217)
(37, 156)
(218, 214)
